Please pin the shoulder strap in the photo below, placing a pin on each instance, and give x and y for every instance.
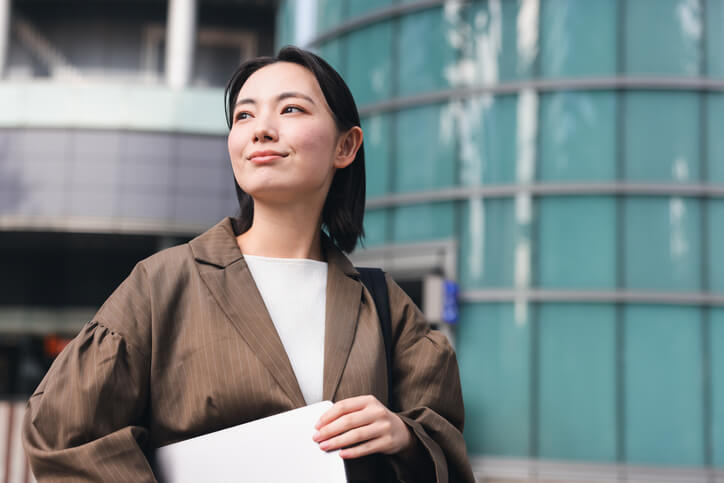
(374, 280)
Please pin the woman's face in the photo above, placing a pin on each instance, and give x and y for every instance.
(283, 142)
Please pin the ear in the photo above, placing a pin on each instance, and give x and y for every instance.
(347, 146)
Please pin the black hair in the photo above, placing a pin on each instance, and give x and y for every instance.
(343, 210)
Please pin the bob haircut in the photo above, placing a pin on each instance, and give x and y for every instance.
(343, 210)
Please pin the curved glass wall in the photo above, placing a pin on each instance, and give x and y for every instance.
(573, 151)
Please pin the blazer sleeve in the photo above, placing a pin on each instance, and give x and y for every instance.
(427, 396)
(85, 421)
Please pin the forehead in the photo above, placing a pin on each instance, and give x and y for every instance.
(274, 79)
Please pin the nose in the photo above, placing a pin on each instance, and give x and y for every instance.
(264, 130)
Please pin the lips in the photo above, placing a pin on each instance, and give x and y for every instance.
(266, 156)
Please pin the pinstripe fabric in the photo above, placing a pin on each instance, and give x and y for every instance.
(185, 346)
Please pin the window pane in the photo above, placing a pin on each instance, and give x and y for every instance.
(89, 202)
(426, 52)
(662, 244)
(715, 37)
(101, 173)
(577, 242)
(196, 208)
(488, 143)
(376, 131)
(715, 141)
(662, 136)
(375, 224)
(285, 23)
(329, 14)
(578, 38)
(577, 382)
(663, 385)
(333, 52)
(493, 351)
(487, 243)
(716, 349)
(578, 136)
(669, 43)
(425, 158)
(427, 221)
(716, 241)
(151, 204)
(369, 75)
(503, 40)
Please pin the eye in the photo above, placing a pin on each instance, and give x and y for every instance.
(240, 116)
(290, 109)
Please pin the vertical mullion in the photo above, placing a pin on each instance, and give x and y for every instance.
(706, 398)
(619, 334)
(395, 48)
(533, 234)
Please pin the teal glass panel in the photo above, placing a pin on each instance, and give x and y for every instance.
(715, 37)
(577, 381)
(661, 142)
(662, 240)
(426, 221)
(493, 351)
(488, 239)
(376, 130)
(663, 385)
(577, 242)
(330, 13)
(375, 225)
(369, 75)
(578, 136)
(578, 38)
(488, 140)
(333, 52)
(716, 350)
(501, 41)
(358, 8)
(714, 138)
(426, 52)
(425, 149)
(715, 256)
(663, 37)
(284, 34)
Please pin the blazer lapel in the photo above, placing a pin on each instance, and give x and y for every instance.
(344, 296)
(226, 274)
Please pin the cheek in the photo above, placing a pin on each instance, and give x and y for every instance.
(234, 144)
(317, 140)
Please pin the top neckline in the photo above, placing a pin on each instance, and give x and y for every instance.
(283, 260)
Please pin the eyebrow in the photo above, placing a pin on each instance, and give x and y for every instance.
(280, 97)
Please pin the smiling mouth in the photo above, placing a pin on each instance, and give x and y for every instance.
(265, 157)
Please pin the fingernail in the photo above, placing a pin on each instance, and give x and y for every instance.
(324, 445)
(315, 436)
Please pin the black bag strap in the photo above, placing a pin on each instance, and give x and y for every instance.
(374, 280)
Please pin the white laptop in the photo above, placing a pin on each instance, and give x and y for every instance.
(270, 450)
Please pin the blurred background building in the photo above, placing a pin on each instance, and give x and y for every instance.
(560, 160)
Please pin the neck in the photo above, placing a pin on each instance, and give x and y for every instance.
(283, 232)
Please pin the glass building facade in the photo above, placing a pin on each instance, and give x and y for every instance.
(571, 153)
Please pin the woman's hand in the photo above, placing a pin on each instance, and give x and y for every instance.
(365, 422)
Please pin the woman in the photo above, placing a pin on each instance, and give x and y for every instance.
(259, 315)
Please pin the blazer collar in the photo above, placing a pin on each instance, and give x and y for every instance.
(223, 269)
(217, 246)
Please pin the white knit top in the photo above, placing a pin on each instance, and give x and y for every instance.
(294, 292)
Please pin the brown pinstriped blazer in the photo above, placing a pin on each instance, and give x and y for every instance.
(185, 346)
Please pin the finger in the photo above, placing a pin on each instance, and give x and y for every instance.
(364, 449)
(352, 437)
(342, 407)
(345, 423)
